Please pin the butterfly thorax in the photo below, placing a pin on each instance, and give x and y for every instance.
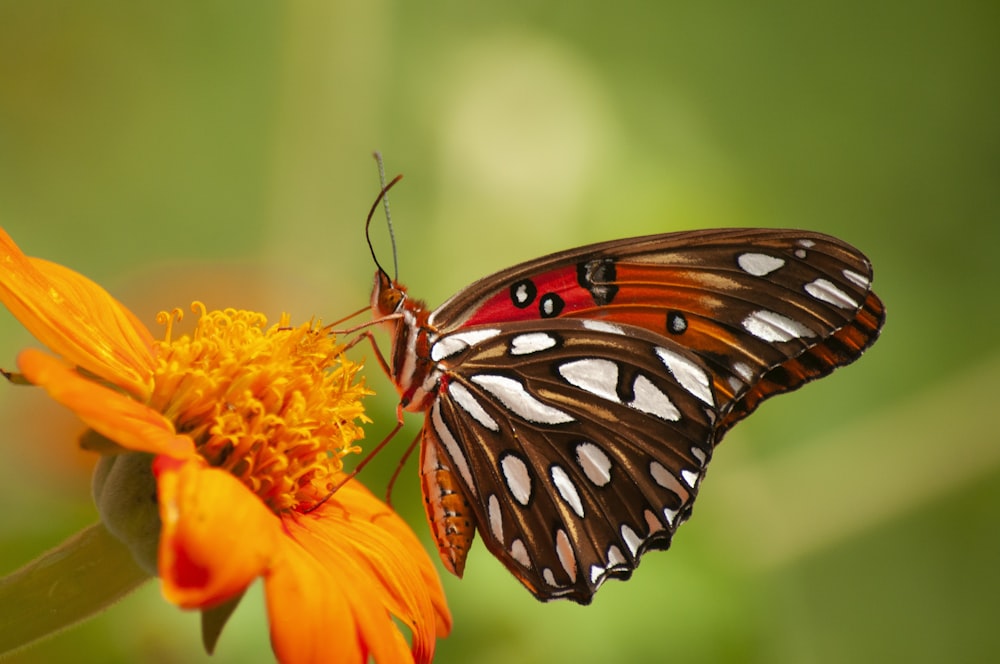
(412, 370)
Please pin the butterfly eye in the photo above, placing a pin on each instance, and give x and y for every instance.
(391, 299)
(387, 296)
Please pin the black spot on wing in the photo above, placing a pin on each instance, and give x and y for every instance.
(676, 322)
(550, 305)
(598, 277)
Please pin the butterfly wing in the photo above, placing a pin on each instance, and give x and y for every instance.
(574, 400)
(765, 310)
(574, 445)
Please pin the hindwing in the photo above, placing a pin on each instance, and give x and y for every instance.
(576, 445)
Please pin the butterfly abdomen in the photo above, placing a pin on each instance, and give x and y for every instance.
(448, 511)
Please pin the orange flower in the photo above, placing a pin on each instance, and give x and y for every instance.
(245, 428)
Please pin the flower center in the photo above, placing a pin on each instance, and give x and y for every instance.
(278, 408)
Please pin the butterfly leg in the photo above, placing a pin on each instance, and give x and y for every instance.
(399, 468)
(364, 462)
(371, 339)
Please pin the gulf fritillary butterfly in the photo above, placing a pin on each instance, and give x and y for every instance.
(572, 403)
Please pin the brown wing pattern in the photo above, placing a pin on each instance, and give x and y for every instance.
(576, 398)
(767, 310)
(575, 448)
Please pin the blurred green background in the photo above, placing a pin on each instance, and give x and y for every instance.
(221, 151)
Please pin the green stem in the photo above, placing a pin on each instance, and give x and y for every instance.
(82, 576)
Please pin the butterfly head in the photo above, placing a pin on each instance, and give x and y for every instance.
(388, 296)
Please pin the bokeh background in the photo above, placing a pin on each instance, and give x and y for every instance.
(221, 151)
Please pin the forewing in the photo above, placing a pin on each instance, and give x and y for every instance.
(578, 445)
(764, 310)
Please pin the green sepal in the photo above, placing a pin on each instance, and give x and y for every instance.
(14, 378)
(124, 491)
(214, 619)
(92, 441)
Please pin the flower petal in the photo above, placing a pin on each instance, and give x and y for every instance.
(382, 570)
(111, 414)
(76, 318)
(217, 537)
(314, 611)
(380, 513)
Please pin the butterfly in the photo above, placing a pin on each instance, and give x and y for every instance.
(572, 403)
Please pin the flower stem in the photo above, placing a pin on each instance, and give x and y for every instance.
(64, 586)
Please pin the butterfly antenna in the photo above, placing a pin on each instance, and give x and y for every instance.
(384, 198)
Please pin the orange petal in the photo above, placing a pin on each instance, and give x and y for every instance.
(387, 519)
(112, 414)
(377, 574)
(216, 538)
(365, 505)
(76, 318)
(314, 613)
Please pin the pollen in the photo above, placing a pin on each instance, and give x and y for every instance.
(278, 407)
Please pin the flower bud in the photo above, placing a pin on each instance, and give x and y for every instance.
(125, 494)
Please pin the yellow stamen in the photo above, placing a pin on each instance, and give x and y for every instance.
(277, 407)
(168, 318)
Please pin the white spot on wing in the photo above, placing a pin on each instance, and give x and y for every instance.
(520, 553)
(859, 280)
(601, 326)
(807, 243)
(825, 291)
(549, 577)
(698, 454)
(759, 265)
(451, 445)
(567, 490)
(615, 557)
(461, 395)
(670, 515)
(691, 377)
(599, 377)
(632, 540)
(564, 550)
(595, 575)
(665, 478)
(744, 371)
(650, 399)
(690, 477)
(531, 342)
(772, 326)
(496, 518)
(594, 462)
(515, 473)
(453, 344)
(516, 399)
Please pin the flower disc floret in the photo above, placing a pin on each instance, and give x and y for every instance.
(278, 407)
